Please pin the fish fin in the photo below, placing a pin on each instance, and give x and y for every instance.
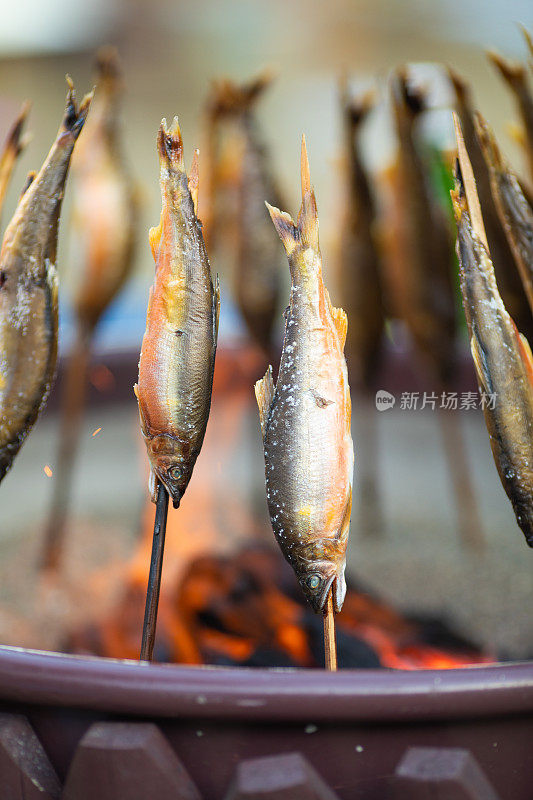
(288, 232)
(145, 428)
(170, 145)
(526, 355)
(516, 132)
(480, 365)
(216, 307)
(513, 73)
(30, 177)
(228, 97)
(340, 320)
(193, 181)
(75, 116)
(154, 237)
(152, 486)
(264, 393)
(308, 215)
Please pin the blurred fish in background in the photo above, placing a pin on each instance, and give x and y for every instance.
(104, 219)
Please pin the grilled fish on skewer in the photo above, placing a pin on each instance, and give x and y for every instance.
(504, 366)
(178, 350)
(515, 76)
(28, 291)
(359, 263)
(305, 418)
(515, 212)
(505, 268)
(105, 209)
(13, 147)
(425, 291)
(258, 260)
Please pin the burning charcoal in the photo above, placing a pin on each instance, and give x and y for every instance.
(306, 417)
(178, 350)
(258, 269)
(28, 291)
(502, 358)
(13, 147)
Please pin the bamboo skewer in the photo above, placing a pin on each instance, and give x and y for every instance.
(330, 644)
(154, 577)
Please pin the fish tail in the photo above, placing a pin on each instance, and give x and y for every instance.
(513, 73)
(304, 232)
(170, 145)
(407, 98)
(358, 108)
(529, 40)
(16, 142)
(75, 117)
(108, 65)
(230, 98)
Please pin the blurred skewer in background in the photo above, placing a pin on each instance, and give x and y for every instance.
(103, 230)
(361, 296)
(423, 288)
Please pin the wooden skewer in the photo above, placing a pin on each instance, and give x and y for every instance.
(154, 578)
(330, 644)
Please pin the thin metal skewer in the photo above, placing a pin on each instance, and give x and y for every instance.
(330, 644)
(154, 578)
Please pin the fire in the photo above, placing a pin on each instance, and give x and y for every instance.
(48, 471)
(229, 598)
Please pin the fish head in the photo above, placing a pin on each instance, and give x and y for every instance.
(170, 465)
(319, 567)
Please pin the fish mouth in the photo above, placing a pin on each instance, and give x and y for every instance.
(337, 584)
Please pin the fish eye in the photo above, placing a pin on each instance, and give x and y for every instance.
(313, 581)
(175, 473)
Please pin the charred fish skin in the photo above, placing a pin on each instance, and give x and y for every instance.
(105, 205)
(504, 367)
(515, 212)
(306, 416)
(13, 147)
(360, 268)
(258, 265)
(427, 292)
(178, 350)
(28, 290)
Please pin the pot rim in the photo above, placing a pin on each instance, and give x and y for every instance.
(40, 678)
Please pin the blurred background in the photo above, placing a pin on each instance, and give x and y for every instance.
(170, 52)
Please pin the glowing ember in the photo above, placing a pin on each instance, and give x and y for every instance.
(96, 432)
(48, 471)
